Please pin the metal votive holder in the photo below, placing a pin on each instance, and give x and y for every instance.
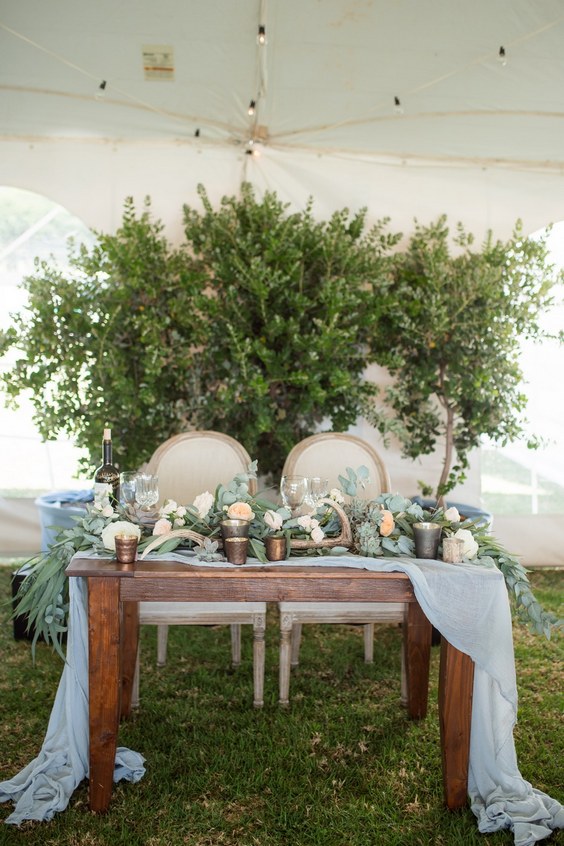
(236, 550)
(275, 548)
(233, 528)
(126, 548)
(426, 537)
(453, 550)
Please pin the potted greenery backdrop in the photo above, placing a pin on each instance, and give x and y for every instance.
(260, 326)
(450, 335)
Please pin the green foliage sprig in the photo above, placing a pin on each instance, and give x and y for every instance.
(384, 527)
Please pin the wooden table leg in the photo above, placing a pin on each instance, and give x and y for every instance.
(104, 686)
(456, 678)
(417, 655)
(129, 646)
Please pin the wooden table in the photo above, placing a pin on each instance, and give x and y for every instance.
(114, 591)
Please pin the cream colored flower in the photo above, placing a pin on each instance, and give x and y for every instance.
(470, 548)
(169, 506)
(317, 534)
(305, 521)
(120, 527)
(107, 510)
(273, 520)
(162, 527)
(240, 511)
(387, 525)
(452, 515)
(203, 504)
(336, 495)
(180, 511)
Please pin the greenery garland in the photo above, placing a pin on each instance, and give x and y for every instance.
(381, 527)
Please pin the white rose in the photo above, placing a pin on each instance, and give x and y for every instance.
(107, 510)
(178, 522)
(313, 523)
(180, 511)
(336, 495)
(317, 535)
(470, 547)
(120, 527)
(162, 527)
(452, 515)
(273, 520)
(304, 521)
(203, 503)
(169, 506)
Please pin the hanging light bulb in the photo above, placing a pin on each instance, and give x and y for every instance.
(101, 92)
(502, 57)
(261, 37)
(252, 108)
(398, 108)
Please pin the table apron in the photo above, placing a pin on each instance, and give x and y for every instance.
(259, 589)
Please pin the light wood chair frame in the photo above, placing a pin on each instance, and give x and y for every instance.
(294, 614)
(234, 614)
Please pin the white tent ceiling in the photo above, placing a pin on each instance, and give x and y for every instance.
(474, 134)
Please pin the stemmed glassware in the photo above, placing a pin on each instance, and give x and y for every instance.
(146, 491)
(293, 490)
(317, 488)
(127, 488)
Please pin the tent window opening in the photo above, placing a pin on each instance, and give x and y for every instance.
(517, 480)
(32, 226)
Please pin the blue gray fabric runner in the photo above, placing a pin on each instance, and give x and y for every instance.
(468, 604)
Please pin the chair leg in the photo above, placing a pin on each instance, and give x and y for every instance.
(368, 632)
(162, 641)
(284, 659)
(259, 626)
(235, 644)
(296, 641)
(135, 685)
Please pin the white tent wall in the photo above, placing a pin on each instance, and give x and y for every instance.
(92, 180)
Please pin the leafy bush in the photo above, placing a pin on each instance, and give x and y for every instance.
(259, 326)
(451, 338)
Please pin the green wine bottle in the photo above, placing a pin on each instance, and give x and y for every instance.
(106, 473)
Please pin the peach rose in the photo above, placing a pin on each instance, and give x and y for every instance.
(387, 525)
(240, 511)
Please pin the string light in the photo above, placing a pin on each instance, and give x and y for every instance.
(101, 92)
(398, 108)
(261, 37)
(252, 149)
(252, 108)
(502, 57)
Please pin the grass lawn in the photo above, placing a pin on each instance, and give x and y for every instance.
(342, 767)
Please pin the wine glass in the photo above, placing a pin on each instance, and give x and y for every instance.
(146, 491)
(317, 488)
(293, 490)
(128, 481)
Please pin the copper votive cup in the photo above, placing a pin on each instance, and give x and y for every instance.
(275, 548)
(236, 550)
(126, 548)
(232, 528)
